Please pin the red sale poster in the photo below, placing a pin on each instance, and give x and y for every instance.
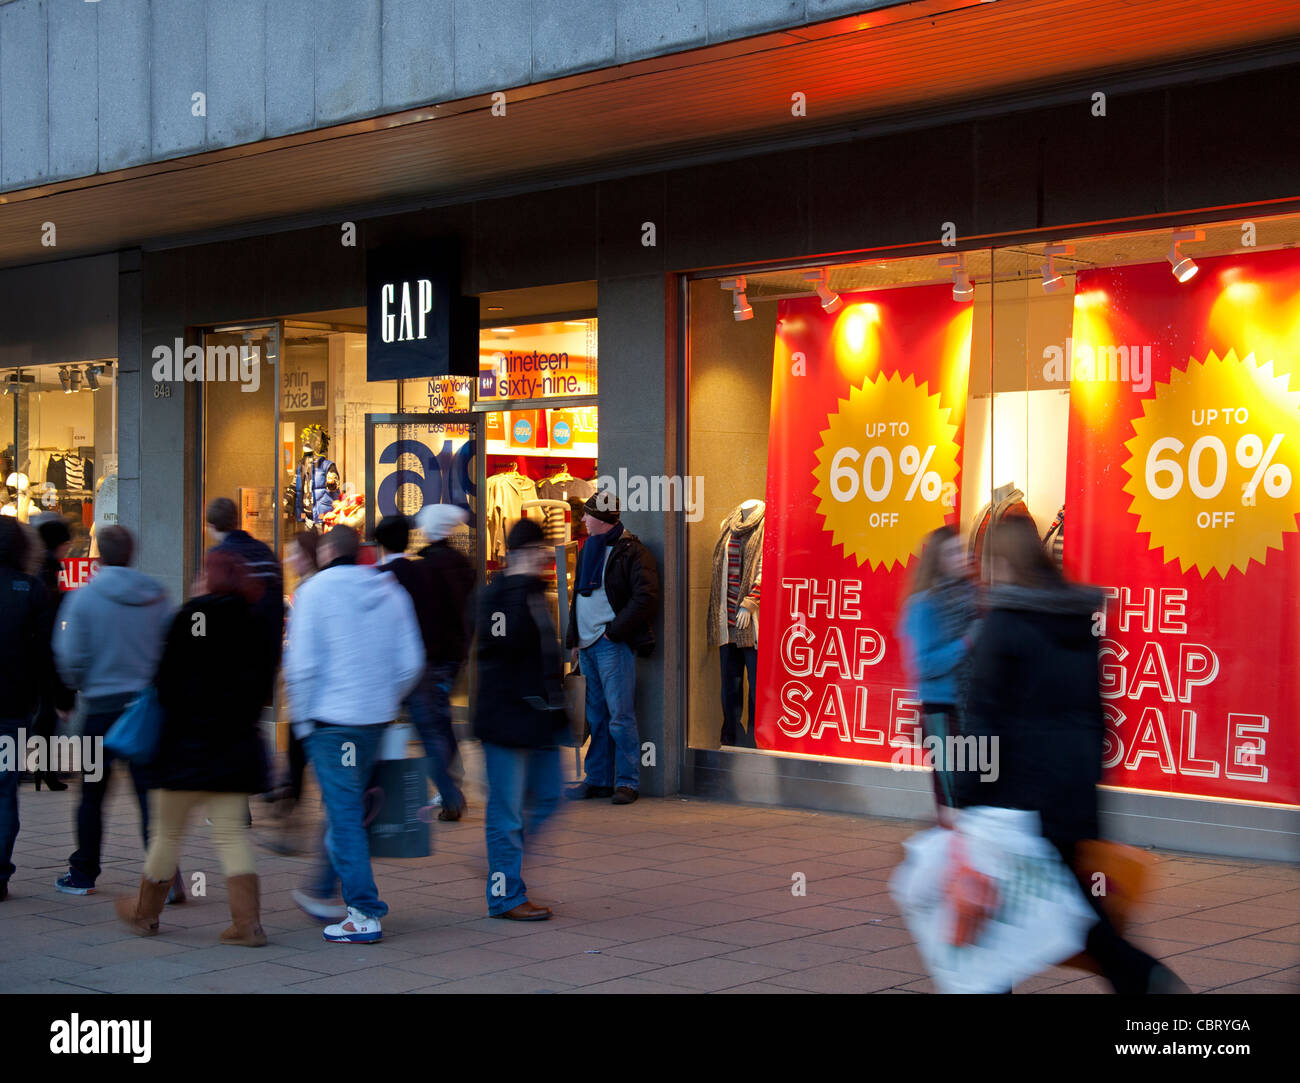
(864, 457)
(1182, 489)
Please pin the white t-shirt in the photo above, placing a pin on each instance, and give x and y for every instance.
(594, 610)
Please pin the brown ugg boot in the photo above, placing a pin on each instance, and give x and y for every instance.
(141, 913)
(245, 912)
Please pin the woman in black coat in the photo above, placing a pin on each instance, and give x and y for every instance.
(210, 685)
(1035, 698)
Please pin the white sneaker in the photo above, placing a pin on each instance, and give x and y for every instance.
(355, 929)
(320, 909)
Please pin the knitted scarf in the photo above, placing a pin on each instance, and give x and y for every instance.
(591, 560)
(751, 534)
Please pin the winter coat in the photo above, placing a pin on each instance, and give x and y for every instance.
(354, 649)
(631, 583)
(25, 614)
(519, 666)
(210, 687)
(311, 492)
(110, 635)
(1035, 686)
(452, 580)
(264, 569)
(935, 654)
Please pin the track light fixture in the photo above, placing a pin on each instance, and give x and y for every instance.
(13, 382)
(65, 378)
(1184, 267)
(1053, 280)
(962, 290)
(92, 377)
(740, 305)
(831, 301)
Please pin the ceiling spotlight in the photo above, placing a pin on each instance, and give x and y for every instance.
(93, 373)
(962, 290)
(1184, 267)
(65, 378)
(740, 304)
(12, 383)
(820, 278)
(1053, 280)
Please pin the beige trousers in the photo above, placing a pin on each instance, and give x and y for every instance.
(169, 814)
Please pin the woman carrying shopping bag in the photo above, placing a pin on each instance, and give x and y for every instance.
(210, 687)
(1035, 690)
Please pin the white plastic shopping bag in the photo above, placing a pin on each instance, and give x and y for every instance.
(1036, 915)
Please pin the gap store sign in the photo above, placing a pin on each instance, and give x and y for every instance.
(417, 324)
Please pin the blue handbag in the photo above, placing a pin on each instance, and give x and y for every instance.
(137, 731)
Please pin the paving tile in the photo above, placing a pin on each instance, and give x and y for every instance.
(844, 978)
(714, 912)
(138, 976)
(749, 933)
(631, 984)
(794, 954)
(670, 950)
(375, 979)
(817, 918)
(767, 987)
(1255, 986)
(863, 938)
(585, 969)
(1252, 950)
(710, 975)
(548, 942)
(1191, 930)
(250, 978)
(463, 963)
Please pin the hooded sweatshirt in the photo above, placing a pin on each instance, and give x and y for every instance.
(354, 648)
(109, 637)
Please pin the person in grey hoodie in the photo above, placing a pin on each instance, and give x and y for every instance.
(108, 639)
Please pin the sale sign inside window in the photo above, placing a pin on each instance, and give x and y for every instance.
(864, 460)
(1182, 491)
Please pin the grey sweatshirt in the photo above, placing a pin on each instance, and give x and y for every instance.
(109, 636)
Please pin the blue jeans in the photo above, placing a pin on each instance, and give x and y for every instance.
(9, 799)
(429, 706)
(523, 790)
(90, 811)
(343, 774)
(614, 755)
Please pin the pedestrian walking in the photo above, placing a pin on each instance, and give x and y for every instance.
(107, 644)
(611, 624)
(519, 717)
(211, 682)
(25, 646)
(1035, 691)
(57, 699)
(439, 581)
(937, 624)
(354, 652)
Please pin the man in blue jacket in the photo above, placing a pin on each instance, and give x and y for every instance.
(107, 642)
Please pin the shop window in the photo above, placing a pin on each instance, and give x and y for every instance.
(58, 451)
(1136, 396)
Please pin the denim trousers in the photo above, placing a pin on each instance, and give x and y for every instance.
(90, 811)
(343, 758)
(523, 791)
(614, 754)
(736, 662)
(9, 798)
(429, 706)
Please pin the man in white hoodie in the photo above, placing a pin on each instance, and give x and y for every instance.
(354, 652)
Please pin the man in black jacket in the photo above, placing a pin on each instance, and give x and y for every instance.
(611, 615)
(439, 582)
(518, 717)
(25, 616)
(223, 528)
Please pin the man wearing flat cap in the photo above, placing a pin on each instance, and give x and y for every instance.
(611, 623)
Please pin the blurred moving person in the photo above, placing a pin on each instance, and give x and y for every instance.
(211, 683)
(354, 652)
(439, 582)
(25, 647)
(57, 699)
(519, 716)
(937, 624)
(287, 796)
(1035, 687)
(611, 623)
(107, 643)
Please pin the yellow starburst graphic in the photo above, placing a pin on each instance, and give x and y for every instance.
(886, 470)
(1214, 461)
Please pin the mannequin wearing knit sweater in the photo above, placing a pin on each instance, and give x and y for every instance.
(733, 615)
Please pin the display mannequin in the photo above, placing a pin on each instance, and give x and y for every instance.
(316, 484)
(733, 614)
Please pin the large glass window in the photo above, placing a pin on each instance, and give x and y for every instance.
(1136, 396)
(58, 448)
